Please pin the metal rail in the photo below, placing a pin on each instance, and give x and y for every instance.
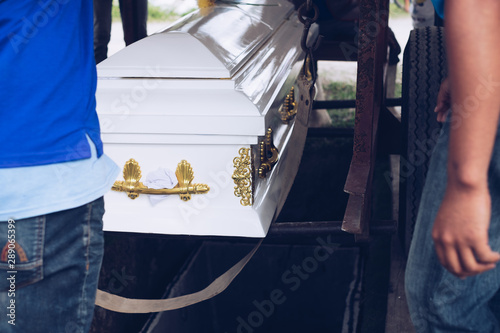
(351, 103)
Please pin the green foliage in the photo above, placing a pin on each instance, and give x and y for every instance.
(156, 13)
(398, 88)
(344, 118)
(395, 11)
(341, 91)
(115, 11)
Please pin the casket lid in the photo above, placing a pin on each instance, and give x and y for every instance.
(155, 101)
(210, 43)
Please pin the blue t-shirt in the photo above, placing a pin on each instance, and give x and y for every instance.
(43, 189)
(439, 7)
(47, 82)
(51, 155)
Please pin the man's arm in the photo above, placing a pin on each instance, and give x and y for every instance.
(461, 227)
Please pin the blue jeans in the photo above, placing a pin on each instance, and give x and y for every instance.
(49, 283)
(438, 301)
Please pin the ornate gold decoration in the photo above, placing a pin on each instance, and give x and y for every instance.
(133, 186)
(242, 176)
(288, 110)
(206, 6)
(268, 154)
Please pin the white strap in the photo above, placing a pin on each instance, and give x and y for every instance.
(129, 305)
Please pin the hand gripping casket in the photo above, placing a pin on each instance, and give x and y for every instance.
(199, 116)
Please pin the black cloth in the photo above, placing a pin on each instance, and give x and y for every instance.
(134, 15)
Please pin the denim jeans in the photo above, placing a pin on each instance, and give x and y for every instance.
(438, 301)
(49, 283)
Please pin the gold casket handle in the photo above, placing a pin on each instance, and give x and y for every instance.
(133, 187)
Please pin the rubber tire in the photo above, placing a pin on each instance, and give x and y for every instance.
(424, 68)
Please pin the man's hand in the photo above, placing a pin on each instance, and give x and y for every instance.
(443, 101)
(460, 232)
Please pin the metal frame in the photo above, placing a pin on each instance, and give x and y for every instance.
(372, 59)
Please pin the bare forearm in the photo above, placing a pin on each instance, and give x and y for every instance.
(474, 70)
(460, 230)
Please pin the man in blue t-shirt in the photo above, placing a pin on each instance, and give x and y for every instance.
(452, 276)
(53, 171)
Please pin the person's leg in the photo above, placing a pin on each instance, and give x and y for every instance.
(102, 28)
(53, 281)
(438, 301)
(134, 15)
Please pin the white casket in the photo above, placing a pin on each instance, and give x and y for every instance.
(212, 99)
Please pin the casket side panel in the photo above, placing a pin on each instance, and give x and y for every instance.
(218, 212)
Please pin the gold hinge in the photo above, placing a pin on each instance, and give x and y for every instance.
(288, 109)
(268, 154)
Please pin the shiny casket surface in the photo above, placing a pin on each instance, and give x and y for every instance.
(215, 90)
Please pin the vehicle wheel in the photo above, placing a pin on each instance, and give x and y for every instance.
(424, 68)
